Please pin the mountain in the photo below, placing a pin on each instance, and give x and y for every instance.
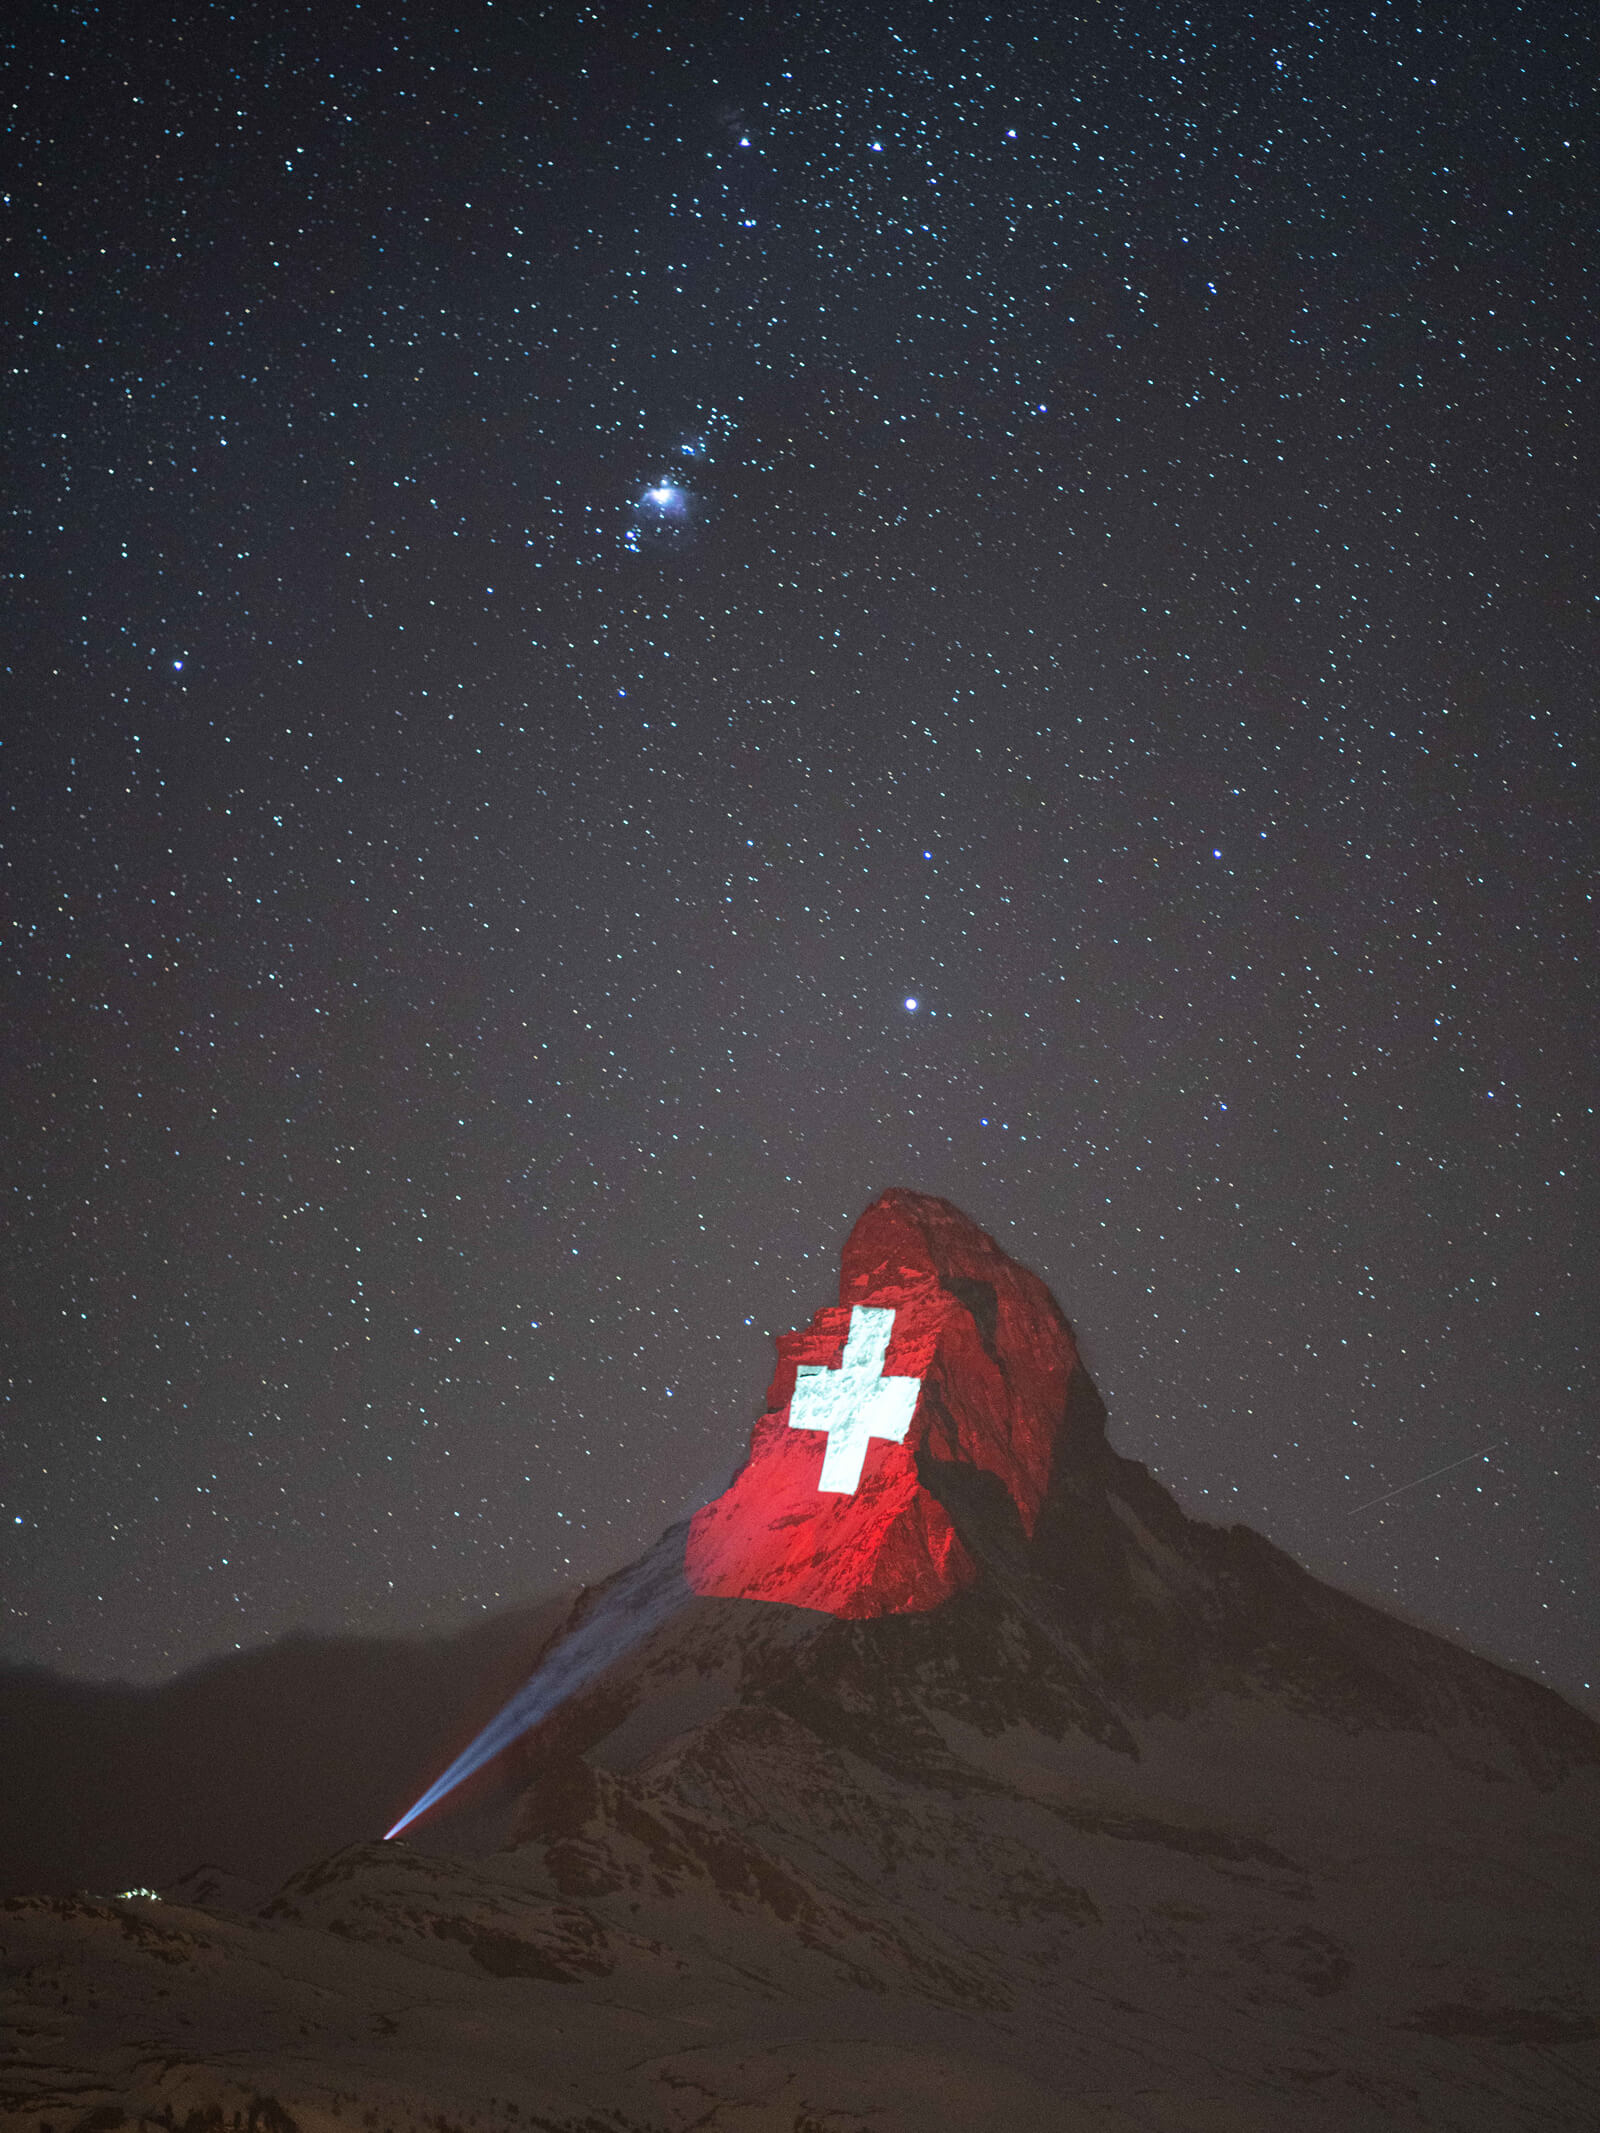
(1091, 1816)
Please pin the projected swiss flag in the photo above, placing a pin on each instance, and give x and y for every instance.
(940, 1349)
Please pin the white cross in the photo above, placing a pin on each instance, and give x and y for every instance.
(854, 1402)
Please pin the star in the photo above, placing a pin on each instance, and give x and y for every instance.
(627, 846)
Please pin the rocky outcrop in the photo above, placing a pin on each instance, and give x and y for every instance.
(987, 1360)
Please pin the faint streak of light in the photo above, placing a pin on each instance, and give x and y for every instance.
(1421, 1478)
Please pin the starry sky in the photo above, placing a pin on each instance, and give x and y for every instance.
(630, 623)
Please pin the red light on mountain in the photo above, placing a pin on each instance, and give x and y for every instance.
(940, 1350)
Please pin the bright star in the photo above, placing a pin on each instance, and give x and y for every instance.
(911, 1004)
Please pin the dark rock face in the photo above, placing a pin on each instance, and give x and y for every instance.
(1140, 1827)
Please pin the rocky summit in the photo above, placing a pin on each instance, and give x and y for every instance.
(975, 1368)
(941, 1775)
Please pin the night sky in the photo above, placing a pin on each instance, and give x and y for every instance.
(628, 624)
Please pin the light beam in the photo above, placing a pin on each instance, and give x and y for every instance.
(626, 1612)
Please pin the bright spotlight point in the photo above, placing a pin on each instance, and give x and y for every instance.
(911, 1004)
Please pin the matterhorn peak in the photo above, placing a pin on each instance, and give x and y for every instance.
(929, 1485)
(941, 1351)
(941, 1773)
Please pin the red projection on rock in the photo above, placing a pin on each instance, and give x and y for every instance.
(940, 1349)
